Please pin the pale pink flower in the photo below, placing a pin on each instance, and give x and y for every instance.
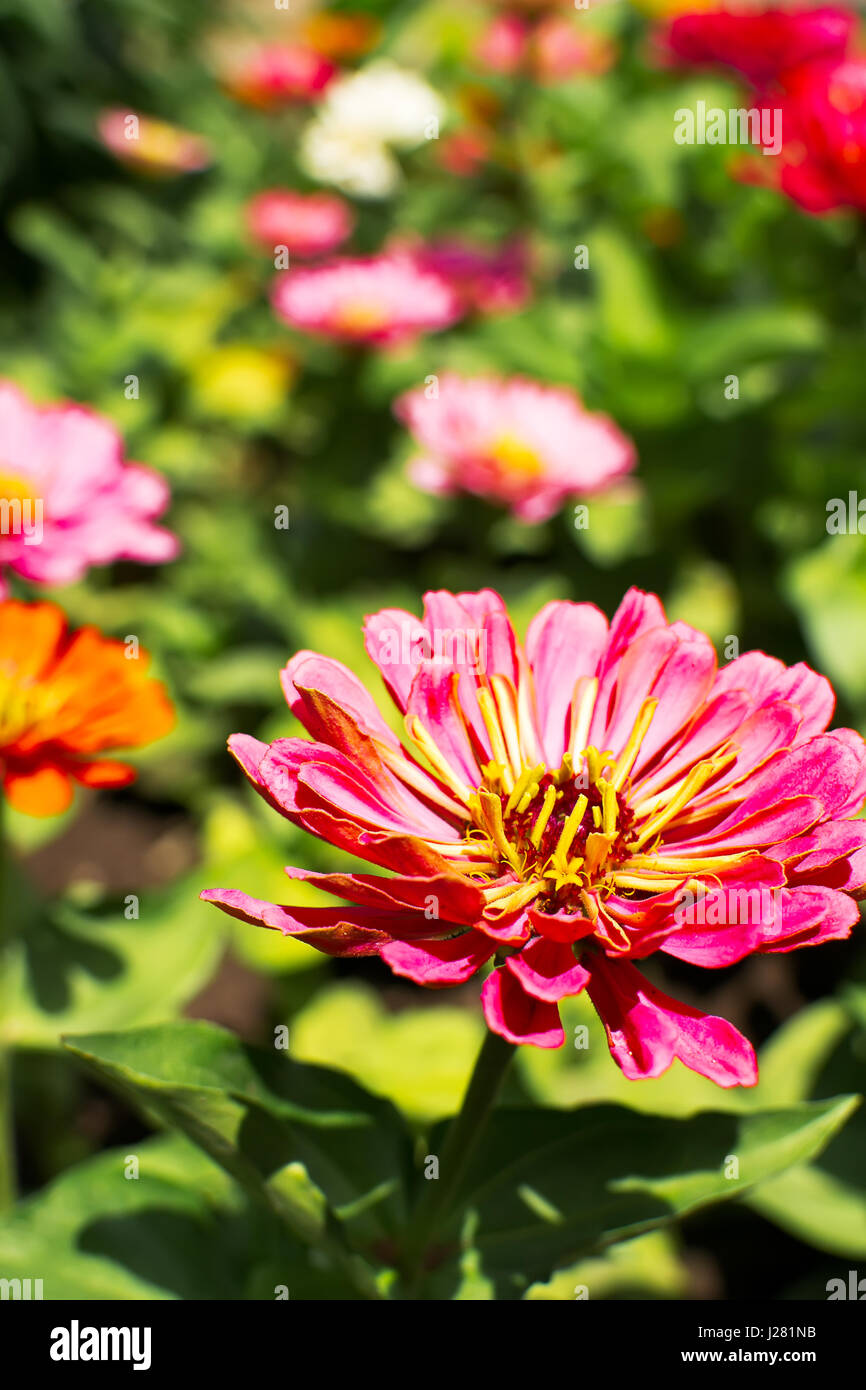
(153, 146)
(514, 441)
(383, 299)
(69, 499)
(308, 224)
(503, 45)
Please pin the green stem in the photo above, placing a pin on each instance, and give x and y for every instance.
(8, 1175)
(461, 1142)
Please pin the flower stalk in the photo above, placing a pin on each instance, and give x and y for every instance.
(461, 1142)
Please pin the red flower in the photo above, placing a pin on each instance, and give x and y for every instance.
(567, 809)
(760, 44)
(822, 165)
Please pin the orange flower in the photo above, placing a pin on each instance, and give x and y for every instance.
(63, 697)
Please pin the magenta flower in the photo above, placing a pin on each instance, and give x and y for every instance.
(68, 499)
(760, 43)
(822, 165)
(517, 442)
(381, 300)
(307, 224)
(273, 75)
(565, 810)
(486, 280)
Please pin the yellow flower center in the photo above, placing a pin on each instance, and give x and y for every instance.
(360, 316)
(514, 456)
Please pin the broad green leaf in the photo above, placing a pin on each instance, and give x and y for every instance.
(77, 971)
(281, 1128)
(544, 1186)
(175, 1226)
(419, 1058)
(646, 1267)
(817, 1207)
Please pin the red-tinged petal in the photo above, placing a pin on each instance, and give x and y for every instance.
(307, 676)
(102, 773)
(646, 1029)
(713, 725)
(548, 970)
(637, 613)
(248, 753)
(829, 766)
(330, 930)
(562, 926)
(616, 710)
(511, 930)
(439, 964)
(832, 854)
(809, 915)
(681, 689)
(396, 641)
(433, 701)
(564, 642)
(768, 681)
(516, 1015)
(444, 898)
(765, 827)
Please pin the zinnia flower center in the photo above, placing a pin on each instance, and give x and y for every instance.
(513, 456)
(360, 316)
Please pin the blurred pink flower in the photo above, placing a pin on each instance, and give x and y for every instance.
(513, 441)
(383, 299)
(571, 805)
(562, 48)
(464, 152)
(759, 43)
(487, 280)
(152, 146)
(308, 224)
(277, 74)
(503, 45)
(64, 465)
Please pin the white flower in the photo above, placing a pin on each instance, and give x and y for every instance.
(358, 165)
(360, 117)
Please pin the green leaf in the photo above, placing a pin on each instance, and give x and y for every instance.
(177, 1227)
(75, 971)
(547, 1186)
(309, 1144)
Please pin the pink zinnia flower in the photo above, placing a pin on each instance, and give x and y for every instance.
(565, 810)
(277, 74)
(374, 299)
(760, 43)
(516, 441)
(487, 280)
(562, 49)
(822, 165)
(68, 498)
(153, 146)
(503, 45)
(309, 224)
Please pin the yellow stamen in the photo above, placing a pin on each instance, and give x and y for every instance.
(570, 829)
(697, 778)
(610, 809)
(419, 735)
(522, 895)
(628, 756)
(525, 786)
(492, 810)
(597, 848)
(543, 817)
(487, 706)
(506, 704)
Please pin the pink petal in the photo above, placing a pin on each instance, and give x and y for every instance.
(548, 970)
(564, 642)
(439, 964)
(516, 1016)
